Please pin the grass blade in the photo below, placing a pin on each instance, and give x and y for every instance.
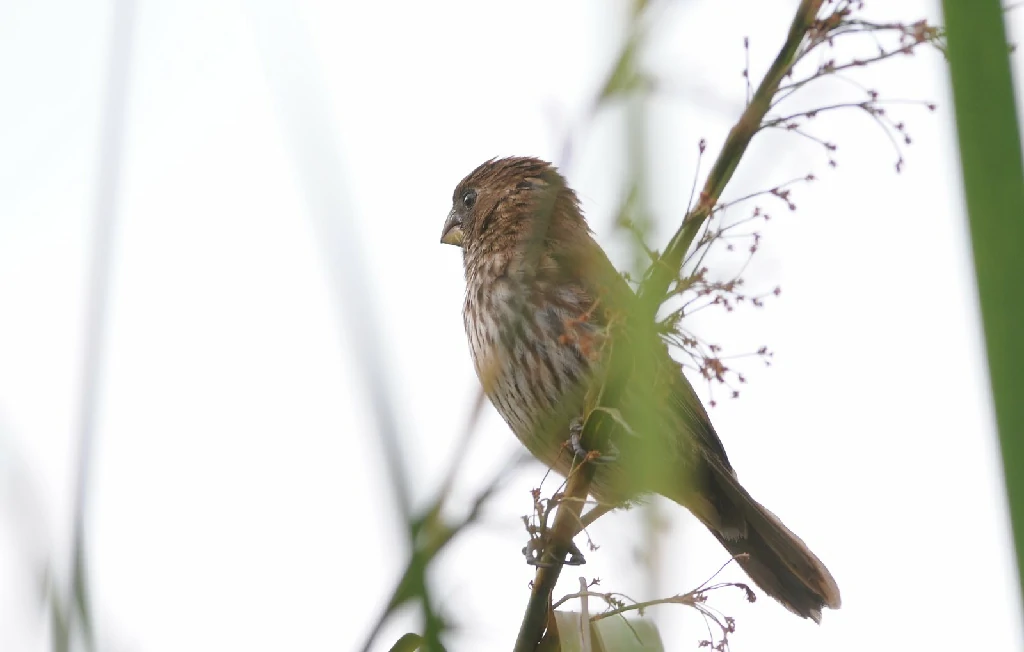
(993, 176)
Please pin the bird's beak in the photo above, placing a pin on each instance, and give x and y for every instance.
(452, 233)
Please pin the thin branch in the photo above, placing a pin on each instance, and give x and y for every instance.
(687, 599)
(566, 520)
(827, 70)
(655, 285)
(595, 513)
(611, 597)
(584, 616)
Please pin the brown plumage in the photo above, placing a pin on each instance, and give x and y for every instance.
(543, 311)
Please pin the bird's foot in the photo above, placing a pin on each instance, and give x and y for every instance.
(534, 553)
(575, 444)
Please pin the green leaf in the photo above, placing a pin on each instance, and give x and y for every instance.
(408, 643)
(993, 176)
(617, 417)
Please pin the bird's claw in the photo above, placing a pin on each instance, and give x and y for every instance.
(575, 438)
(576, 557)
(576, 445)
(534, 553)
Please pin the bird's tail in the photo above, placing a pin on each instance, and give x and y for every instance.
(771, 554)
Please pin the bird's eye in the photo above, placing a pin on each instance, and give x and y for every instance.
(469, 199)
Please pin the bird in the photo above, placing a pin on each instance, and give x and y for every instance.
(544, 309)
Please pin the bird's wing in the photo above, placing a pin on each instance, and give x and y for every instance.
(590, 267)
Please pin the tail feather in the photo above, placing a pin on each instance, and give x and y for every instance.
(775, 558)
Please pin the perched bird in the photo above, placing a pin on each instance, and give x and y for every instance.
(543, 310)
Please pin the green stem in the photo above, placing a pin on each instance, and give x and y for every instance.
(665, 269)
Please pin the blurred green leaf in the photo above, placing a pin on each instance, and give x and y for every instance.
(408, 643)
(609, 635)
(627, 635)
(993, 174)
(59, 630)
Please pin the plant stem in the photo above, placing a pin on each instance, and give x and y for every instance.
(655, 286)
(566, 526)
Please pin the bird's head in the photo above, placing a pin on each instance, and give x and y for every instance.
(508, 205)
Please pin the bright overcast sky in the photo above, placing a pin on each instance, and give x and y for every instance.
(239, 499)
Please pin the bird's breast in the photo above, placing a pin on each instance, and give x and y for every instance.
(535, 349)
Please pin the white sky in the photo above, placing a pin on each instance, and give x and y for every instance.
(239, 499)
